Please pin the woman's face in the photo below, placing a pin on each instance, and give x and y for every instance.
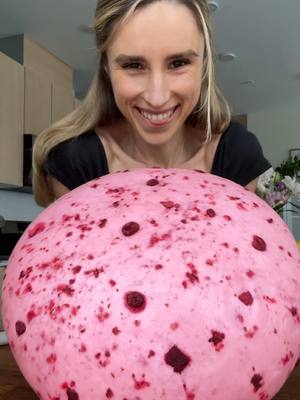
(155, 65)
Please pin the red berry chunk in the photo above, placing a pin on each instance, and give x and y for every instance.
(38, 228)
(20, 328)
(102, 223)
(256, 381)
(211, 213)
(217, 337)
(168, 204)
(177, 359)
(152, 182)
(293, 311)
(135, 301)
(115, 330)
(258, 243)
(130, 228)
(246, 298)
(109, 393)
(72, 395)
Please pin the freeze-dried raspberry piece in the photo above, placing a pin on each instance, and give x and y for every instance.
(250, 273)
(211, 213)
(177, 359)
(168, 204)
(109, 393)
(217, 337)
(256, 381)
(293, 311)
(38, 228)
(246, 298)
(72, 394)
(115, 330)
(258, 243)
(20, 328)
(135, 301)
(51, 359)
(130, 228)
(102, 223)
(152, 182)
(151, 353)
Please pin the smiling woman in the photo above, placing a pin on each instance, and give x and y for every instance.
(156, 88)
(154, 101)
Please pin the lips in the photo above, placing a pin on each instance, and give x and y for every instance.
(157, 118)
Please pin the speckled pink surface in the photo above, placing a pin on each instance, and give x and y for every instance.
(155, 284)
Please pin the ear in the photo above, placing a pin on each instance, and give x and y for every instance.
(106, 69)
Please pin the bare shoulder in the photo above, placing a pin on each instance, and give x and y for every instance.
(103, 133)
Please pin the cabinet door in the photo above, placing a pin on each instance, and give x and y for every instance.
(41, 60)
(11, 121)
(37, 102)
(62, 102)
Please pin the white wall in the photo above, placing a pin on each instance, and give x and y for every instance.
(15, 206)
(278, 130)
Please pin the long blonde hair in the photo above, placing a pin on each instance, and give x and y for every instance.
(211, 114)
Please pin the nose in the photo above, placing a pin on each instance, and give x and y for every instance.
(157, 93)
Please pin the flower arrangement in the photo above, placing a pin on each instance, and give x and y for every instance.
(277, 186)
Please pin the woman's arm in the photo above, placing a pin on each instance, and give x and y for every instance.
(252, 185)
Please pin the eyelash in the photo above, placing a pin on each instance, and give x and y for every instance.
(182, 62)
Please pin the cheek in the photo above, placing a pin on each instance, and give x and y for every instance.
(187, 86)
(124, 87)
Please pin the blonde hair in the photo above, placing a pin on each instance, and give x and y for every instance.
(211, 114)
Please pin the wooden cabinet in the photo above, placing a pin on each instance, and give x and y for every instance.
(62, 102)
(11, 121)
(36, 89)
(48, 82)
(56, 83)
(31, 54)
(43, 61)
(38, 104)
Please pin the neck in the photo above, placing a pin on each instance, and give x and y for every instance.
(170, 154)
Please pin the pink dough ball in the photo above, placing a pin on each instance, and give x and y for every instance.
(155, 284)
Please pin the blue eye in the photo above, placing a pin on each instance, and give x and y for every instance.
(180, 63)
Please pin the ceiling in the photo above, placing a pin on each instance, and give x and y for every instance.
(264, 35)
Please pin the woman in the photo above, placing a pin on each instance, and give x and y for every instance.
(154, 102)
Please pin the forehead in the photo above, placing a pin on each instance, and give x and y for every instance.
(160, 26)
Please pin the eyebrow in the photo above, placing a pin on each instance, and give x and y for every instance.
(132, 58)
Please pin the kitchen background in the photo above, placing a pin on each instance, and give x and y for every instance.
(48, 57)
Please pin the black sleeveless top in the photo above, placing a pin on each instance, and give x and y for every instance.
(238, 157)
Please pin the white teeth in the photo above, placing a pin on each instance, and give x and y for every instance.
(157, 117)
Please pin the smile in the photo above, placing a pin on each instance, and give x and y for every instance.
(158, 118)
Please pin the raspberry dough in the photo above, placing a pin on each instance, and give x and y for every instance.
(155, 284)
